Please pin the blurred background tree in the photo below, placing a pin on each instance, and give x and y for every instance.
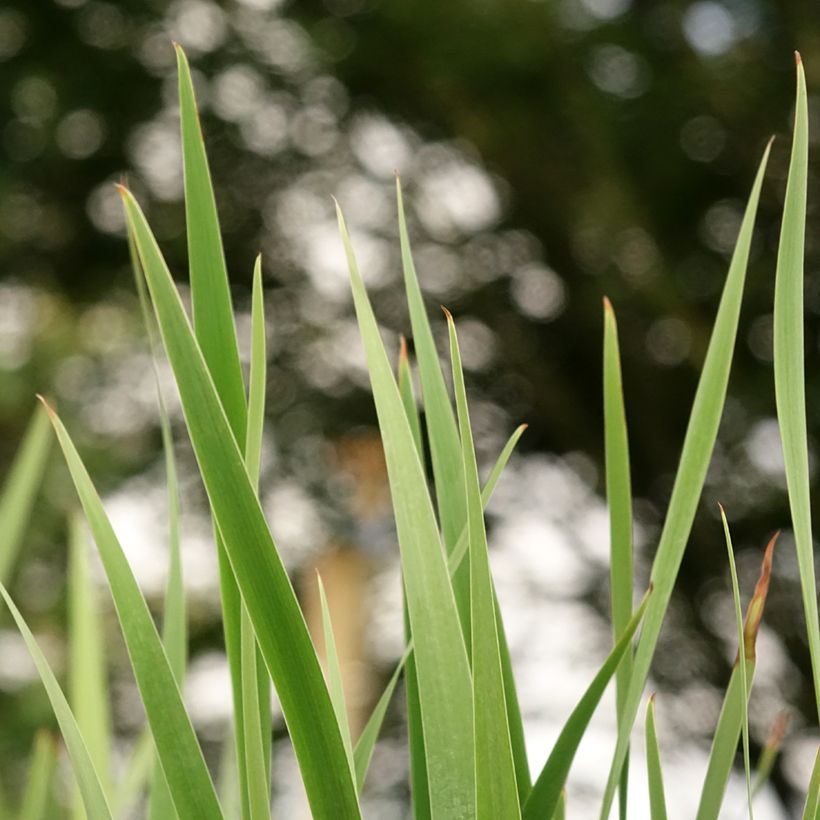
(552, 152)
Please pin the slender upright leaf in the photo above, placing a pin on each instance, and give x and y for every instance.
(770, 751)
(657, 801)
(87, 673)
(266, 589)
(367, 740)
(694, 462)
(38, 793)
(619, 501)
(744, 682)
(419, 787)
(445, 689)
(255, 689)
(334, 674)
(20, 488)
(730, 721)
(812, 807)
(88, 780)
(789, 367)
(546, 791)
(216, 334)
(496, 791)
(177, 747)
(442, 430)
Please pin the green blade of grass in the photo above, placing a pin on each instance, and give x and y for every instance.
(37, 796)
(174, 622)
(657, 800)
(216, 334)
(770, 751)
(445, 688)
(696, 454)
(730, 721)
(334, 675)
(88, 780)
(419, 787)
(20, 489)
(496, 790)
(367, 740)
(561, 809)
(789, 367)
(137, 773)
(546, 791)
(442, 430)
(266, 589)
(255, 688)
(744, 682)
(619, 501)
(812, 807)
(87, 673)
(177, 747)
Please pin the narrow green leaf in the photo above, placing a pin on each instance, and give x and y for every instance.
(20, 489)
(216, 334)
(445, 689)
(730, 721)
(363, 751)
(546, 791)
(619, 501)
(496, 791)
(87, 673)
(657, 801)
(255, 688)
(367, 740)
(694, 462)
(812, 807)
(561, 809)
(334, 674)
(442, 430)
(408, 397)
(770, 751)
(88, 780)
(137, 773)
(789, 367)
(38, 793)
(266, 589)
(744, 682)
(179, 753)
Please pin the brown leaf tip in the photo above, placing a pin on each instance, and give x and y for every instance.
(778, 730)
(447, 314)
(403, 356)
(607, 305)
(45, 404)
(754, 612)
(797, 58)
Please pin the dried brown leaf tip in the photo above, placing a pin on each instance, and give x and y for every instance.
(754, 613)
(778, 731)
(403, 355)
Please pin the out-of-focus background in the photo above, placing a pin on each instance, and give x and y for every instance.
(551, 153)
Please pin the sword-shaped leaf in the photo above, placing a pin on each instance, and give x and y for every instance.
(657, 800)
(696, 454)
(38, 793)
(266, 589)
(445, 688)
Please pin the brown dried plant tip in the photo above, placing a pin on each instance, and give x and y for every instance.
(754, 613)
(447, 314)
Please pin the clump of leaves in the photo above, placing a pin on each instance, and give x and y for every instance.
(467, 753)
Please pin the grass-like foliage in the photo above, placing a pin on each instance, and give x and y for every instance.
(466, 738)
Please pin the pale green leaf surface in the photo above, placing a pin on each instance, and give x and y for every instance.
(496, 790)
(445, 689)
(176, 744)
(87, 673)
(266, 589)
(789, 368)
(88, 780)
(20, 489)
(696, 454)
(38, 793)
(812, 806)
(654, 770)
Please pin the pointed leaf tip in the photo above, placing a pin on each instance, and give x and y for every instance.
(754, 613)
(447, 314)
(798, 59)
(607, 305)
(44, 402)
